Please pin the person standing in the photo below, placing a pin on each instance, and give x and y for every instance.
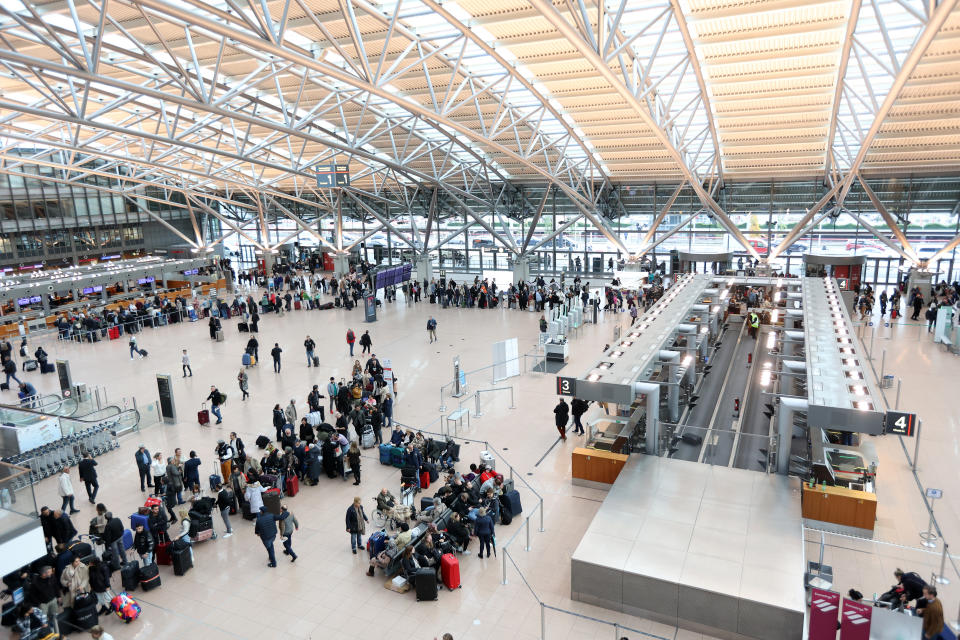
(46, 593)
(76, 580)
(484, 529)
(216, 399)
(65, 489)
(89, 476)
(191, 470)
(278, 421)
(174, 479)
(388, 410)
(432, 329)
(143, 544)
(275, 353)
(353, 457)
(351, 338)
(159, 471)
(290, 412)
(562, 416)
(185, 362)
(287, 526)
(309, 345)
(332, 391)
(225, 454)
(224, 502)
(244, 382)
(266, 528)
(142, 456)
(355, 524)
(366, 342)
(883, 303)
(578, 407)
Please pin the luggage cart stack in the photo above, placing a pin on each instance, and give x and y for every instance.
(49, 459)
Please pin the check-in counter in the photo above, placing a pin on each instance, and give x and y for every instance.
(595, 467)
(840, 506)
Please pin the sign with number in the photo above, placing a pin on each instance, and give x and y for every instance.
(842, 283)
(934, 494)
(901, 424)
(566, 386)
(333, 175)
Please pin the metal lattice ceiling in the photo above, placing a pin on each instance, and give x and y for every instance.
(470, 97)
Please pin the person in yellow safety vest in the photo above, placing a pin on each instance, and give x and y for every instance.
(754, 324)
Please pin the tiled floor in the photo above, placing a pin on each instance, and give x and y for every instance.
(232, 594)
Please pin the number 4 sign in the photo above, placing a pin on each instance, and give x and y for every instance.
(902, 424)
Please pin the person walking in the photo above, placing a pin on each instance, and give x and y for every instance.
(432, 329)
(484, 529)
(244, 382)
(275, 354)
(216, 399)
(88, 474)
(225, 500)
(578, 407)
(10, 368)
(266, 528)
(332, 391)
(356, 519)
(353, 457)
(366, 342)
(65, 489)
(562, 416)
(135, 349)
(287, 526)
(185, 363)
(309, 345)
(142, 456)
(931, 316)
(351, 338)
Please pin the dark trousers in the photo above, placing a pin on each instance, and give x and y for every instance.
(366, 349)
(563, 431)
(187, 368)
(276, 365)
(288, 546)
(356, 474)
(67, 500)
(268, 543)
(577, 426)
(92, 487)
(144, 475)
(485, 544)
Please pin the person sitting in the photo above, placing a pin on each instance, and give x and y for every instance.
(31, 622)
(403, 538)
(458, 532)
(409, 565)
(427, 554)
(396, 436)
(385, 501)
(493, 483)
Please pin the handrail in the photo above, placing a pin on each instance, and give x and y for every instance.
(476, 395)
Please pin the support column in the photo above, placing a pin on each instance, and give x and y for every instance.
(672, 360)
(341, 264)
(268, 261)
(652, 393)
(424, 266)
(521, 269)
(788, 407)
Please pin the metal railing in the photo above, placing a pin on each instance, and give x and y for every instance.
(478, 413)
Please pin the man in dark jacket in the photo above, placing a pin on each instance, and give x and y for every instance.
(275, 354)
(216, 399)
(266, 528)
(45, 593)
(143, 544)
(113, 536)
(578, 407)
(89, 476)
(142, 457)
(63, 529)
(562, 415)
(48, 523)
(191, 470)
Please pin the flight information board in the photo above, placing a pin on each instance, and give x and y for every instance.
(391, 276)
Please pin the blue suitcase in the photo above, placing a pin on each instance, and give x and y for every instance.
(246, 359)
(376, 543)
(513, 499)
(397, 456)
(386, 453)
(127, 539)
(215, 481)
(136, 519)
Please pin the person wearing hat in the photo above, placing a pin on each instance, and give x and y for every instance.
(142, 456)
(225, 454)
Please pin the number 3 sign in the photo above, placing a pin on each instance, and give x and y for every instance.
(566, 386)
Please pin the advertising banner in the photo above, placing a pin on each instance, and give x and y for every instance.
(855, 619)
(824, 607)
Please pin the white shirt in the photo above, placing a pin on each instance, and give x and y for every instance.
(66, 487)
(185, 359)
(158, 468)
(254, 496)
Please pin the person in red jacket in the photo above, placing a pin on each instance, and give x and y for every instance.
(351, 338)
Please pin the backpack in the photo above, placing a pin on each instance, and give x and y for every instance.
(350, 336)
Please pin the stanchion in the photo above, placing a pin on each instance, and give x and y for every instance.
(543, 621)
(503, 557)
(941, 578)
(528, 537)
(541, 515)
(896, 404)
(929, 537)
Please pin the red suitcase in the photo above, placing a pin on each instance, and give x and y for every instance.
(163, 554)
(153, 502)
(425, 480)
(114, 333)
(296, 305)
(293, 486)
(450, 571)
(203, 416)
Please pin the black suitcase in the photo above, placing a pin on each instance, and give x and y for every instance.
(4, 386)
(80, 549)
(199, 522)
(150, 577)
(182, 562)
(129, 576)
(513, 499)
(84, 613)
(692, 438)
(243, 327)
(247, 515)
(47, 368)
(426, 503)
(425, 582)
(316, 361)
(263, 441)
(30, 365)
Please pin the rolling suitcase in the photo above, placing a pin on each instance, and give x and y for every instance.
(149, 577)
(136, 519)
(162, 555)
(426, 503)
(368, 439)
(386, 453)
(181, 560)
(30, 365)
(487, 459)
(127, 539)
(129, 574)
(47, 368)
(424, 479)
(425, 582)
(85, 611)
(247, 360)
(219, 335)
(297, 306)
(376, 543)
(243, 327)
(316, 361)
(271, 500)
(450, 571)
(263, 441)
(114, 333)
(513, 499)
(203, 416)
(247, 515)
(292, 486)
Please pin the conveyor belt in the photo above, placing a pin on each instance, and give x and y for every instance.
(699, 418)
(754, 425)
(719, 443)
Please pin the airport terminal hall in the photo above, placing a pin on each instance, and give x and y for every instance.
(479, 319)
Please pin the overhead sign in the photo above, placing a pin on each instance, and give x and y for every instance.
(934, 494)
(566, 386)
(333, 175)
(901, 424)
